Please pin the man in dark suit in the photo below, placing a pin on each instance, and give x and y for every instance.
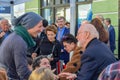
(95, 57)
(111, 34)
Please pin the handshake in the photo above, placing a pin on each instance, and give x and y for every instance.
(69, 76)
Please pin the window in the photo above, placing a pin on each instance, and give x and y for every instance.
(81, 0)
(48, 15)
(44, 3)
(50, 2)
(65, 1)
(52, 9)
(83, 12)
(59, 12)
(67, 13)
(57, 1)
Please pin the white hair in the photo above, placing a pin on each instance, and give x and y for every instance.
(90, 28)
(3, 19)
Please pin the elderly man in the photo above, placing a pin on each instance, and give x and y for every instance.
(14, 48)
(95, 57)
(5, 29)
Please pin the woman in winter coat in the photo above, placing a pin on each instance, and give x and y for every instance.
(50, 46)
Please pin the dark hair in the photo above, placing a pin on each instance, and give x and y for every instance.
(29, 60)
(69, 38)
(108, 20)
(45, 23)
(103, 34)
(37, 61)
(67, 23)
(54, 24)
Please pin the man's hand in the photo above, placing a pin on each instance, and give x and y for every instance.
(34, 55)
(69, 76)
(56, 77)
(2, 34)
(53, 70)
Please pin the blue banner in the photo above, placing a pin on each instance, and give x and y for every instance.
(89, 15)
(5, 9)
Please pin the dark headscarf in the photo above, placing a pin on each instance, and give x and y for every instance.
(27, 20)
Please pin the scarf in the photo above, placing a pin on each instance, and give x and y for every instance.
(21, 31)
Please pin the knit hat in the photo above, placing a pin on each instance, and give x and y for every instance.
(27, 20)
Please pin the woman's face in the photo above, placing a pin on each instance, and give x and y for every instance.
(36, 29)
(69, 46)
(51, 36)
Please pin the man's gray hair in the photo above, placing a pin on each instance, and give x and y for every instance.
(90, 28)
(100, 17)
(3, 19)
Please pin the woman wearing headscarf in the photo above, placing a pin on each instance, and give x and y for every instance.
(14, 48)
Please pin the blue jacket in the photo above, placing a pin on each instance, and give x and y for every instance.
(13, 56)
(112, 38)
(64, 55)
(63, 32)
(94, 59)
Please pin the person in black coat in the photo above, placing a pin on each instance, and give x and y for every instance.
(50, 46)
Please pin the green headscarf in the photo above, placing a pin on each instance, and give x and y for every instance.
(21, 31)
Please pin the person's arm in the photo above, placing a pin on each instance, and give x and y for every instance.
(57, 52)
(20, 58)
(88, 68)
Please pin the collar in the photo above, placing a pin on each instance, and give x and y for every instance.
(90, 42)
(108, 25)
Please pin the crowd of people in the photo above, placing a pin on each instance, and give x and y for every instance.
(35, 50)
